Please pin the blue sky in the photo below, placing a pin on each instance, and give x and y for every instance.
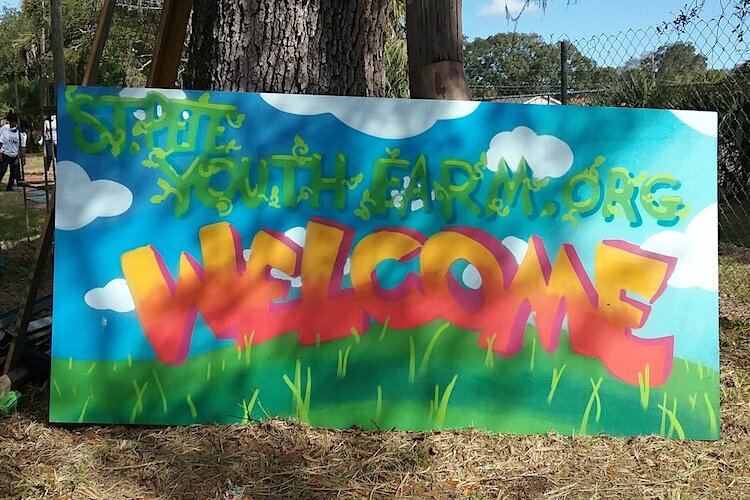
(582, 19)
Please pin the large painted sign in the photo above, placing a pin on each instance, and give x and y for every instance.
(227, 257)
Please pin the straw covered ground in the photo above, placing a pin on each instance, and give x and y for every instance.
(285, 459)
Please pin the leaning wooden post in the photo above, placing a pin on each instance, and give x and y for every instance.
(170, 40)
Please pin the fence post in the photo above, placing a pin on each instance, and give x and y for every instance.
(564, 72)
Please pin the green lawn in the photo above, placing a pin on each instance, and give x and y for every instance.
(18, 238)
(435, 376)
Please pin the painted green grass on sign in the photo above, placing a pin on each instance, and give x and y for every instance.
(334, 384)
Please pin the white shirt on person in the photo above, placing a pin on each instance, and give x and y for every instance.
(12, 141)
(50, 130)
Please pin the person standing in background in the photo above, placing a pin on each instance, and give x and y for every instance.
(11, 147)
(3, 125)
(22, 158)
(50, 140)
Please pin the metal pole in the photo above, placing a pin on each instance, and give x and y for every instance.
(43, 88)
(564, 72)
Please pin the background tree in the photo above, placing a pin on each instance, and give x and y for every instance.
(671, 62)
(396, 57)
(13, 70)
(512, 62)
(295, 46)
(679, 58)
(26, 63)
(520, 63)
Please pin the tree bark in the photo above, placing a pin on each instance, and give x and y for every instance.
(434, 35)
(291, 46)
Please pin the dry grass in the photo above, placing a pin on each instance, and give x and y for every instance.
(283, 459)
(289, 460)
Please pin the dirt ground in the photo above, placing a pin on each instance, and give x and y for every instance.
(285, 459)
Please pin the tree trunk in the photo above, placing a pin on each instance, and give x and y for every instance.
(434, 37)
(291, 46)
(58, 45)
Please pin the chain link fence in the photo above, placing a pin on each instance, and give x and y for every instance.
(704, 65)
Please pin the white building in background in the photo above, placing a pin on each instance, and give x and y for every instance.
(529, 99)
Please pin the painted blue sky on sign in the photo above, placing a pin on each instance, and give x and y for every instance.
(94, 314)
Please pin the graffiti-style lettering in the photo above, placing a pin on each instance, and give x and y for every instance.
(509, 189)
(668, 209)
(459, 181)
(188, 143)
(582, 194)
(240, 300)
(621, 193)
(235, 298)
(403, 306)
(329, 311)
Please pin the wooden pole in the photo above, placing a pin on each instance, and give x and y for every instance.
(165, 62)
(434, 39)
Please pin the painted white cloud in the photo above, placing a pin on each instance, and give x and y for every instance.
(297, 235)
(497, 8)
(246, 254)
(547, 155)
(398, 196)
(471, 277)
(114, 296)
(383, 118)
(80, 200)
(140, 93)
(695, 249)
(702, 121)
(295, 281)
(517, 247)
